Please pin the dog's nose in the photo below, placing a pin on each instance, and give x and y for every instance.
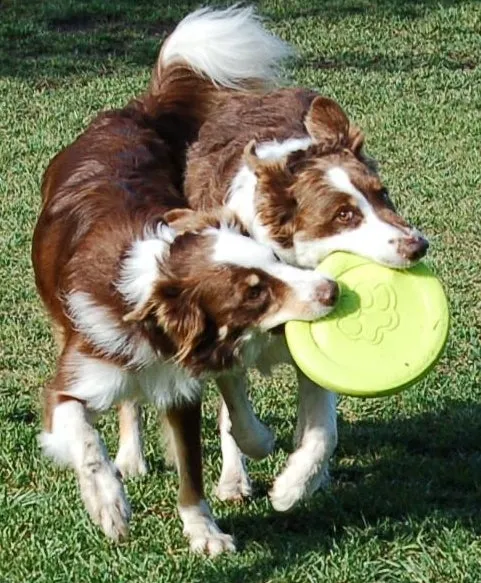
(413, 248)
(328, 292)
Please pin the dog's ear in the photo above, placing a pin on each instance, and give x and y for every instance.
(276, 203)
(355, 143)
(355, 140)
(260, 165)
(327, 123)
(140, 313)
(200, 345)
(250, 156)
(178, 219)
(277, 206)
(178, 312)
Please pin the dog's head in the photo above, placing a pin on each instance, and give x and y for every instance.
(329, 197)
(212, 288)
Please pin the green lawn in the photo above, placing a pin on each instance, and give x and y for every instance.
(405, 503)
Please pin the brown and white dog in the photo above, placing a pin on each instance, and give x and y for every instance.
(142, 309)
(291, 166)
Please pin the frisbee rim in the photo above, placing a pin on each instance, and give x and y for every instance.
(303, 347)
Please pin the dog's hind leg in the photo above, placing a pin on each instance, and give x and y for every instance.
(316, 440)
(130, 456)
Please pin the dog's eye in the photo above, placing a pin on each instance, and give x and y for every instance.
(384, 198)
(382, 195)
(253, 292)
(345, 215)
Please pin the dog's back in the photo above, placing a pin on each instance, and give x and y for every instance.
(129, 163)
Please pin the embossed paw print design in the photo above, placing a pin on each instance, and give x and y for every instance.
(375, 316)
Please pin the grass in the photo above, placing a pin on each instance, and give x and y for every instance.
(406, 497)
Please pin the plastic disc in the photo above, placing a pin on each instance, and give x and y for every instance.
(387, 331)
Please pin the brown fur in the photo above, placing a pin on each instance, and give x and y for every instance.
(216, 156)
(292, 194)
(121, 176)
(100, 194)
(184, 425)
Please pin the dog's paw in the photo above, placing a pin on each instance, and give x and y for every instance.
(211, 543)
(104, 498)
(202, 531)
(234, 488)
(295, 483)
(257, 443)
(130, 462)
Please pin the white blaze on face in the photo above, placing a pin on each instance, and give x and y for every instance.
(372, 238)
(302, 303)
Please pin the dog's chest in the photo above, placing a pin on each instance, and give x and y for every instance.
(167, 385)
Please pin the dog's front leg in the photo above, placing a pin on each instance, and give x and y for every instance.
(199, 525)
(316, 440)
(72, 440)
(234, 482)
(253, 437)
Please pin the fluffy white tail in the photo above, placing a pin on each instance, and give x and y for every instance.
(229, 47)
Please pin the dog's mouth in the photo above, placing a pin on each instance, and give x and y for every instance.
(280, 329)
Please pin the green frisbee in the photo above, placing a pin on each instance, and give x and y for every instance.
(387, 332)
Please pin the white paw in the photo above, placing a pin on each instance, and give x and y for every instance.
(234, 487)
(297, 481)
(130, 462)
(104, 497)
(211, 543)
(257, 443)
(204, 534)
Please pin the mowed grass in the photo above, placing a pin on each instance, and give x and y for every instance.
(405, 501)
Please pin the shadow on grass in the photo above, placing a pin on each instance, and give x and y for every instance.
(401, 63)
(334, 10)
(45, 42)
(391, 479)
(60, 38)
(404, 472)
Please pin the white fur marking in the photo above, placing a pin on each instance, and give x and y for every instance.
(236, 249)
(97, 382)
(140, 270)
(106, 332)
(167, 385)
(100, 384)
(276, 150)
(223, 331)
(97, 323)
(240, 198)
